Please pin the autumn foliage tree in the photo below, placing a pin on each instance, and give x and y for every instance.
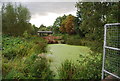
(62, 27)
(68, 25)
(59, 23)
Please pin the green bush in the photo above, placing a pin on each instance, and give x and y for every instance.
(40, 47)
(67, 70)
(88, 68)
(73, 41)
(18, 46)
(14, 74)
(10, 67)
(11, 46)
(96, 46)
(13, 49)
(40, 43)
(19, 58)
(41, 69)
(92, 65)
(30, 67)
(76, 40)
(6, 67)
(38, 67)
(26, 34)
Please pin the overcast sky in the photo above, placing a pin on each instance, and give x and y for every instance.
(46, 12)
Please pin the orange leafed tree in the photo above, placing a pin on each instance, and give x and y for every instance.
(69, 26)
(62, 27)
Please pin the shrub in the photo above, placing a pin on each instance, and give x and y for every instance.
(13, 50)
(5, 67)
(67, 70)
(17, 46)
(14, 74)
(64, 37)
(96, 46)
(89, 67)
(26, 35)
(40, 47)
(40, 43)
(13, 69)
(39, 68)
(30, 67)
(19, 58)
(11, 46)
(72, 39)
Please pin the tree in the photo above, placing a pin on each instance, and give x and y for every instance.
(114, 13)
(94, 15)
(58, 23)
(42, 27)
(92, 19)
(35, 30)
(15, 19)
(68, 25)
(62, 27)
(8, 18)
(49, 28)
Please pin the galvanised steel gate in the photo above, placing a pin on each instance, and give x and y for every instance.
(111, 51)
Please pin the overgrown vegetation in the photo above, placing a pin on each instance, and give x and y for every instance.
(88, 67)
(21, 47)
(21, 60)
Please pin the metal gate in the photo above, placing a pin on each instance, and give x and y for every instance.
(111, 51)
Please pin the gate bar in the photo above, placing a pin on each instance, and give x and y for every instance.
(104, 47)
(112, 74)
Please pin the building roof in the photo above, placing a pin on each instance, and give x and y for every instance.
(44, 31)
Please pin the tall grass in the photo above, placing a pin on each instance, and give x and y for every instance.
(20, 58)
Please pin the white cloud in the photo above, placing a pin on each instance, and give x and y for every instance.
(46, 13)
(43, 8)
(48, 19)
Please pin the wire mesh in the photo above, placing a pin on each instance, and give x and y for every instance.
(111, 58)
(112, 61)
(113, 36)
